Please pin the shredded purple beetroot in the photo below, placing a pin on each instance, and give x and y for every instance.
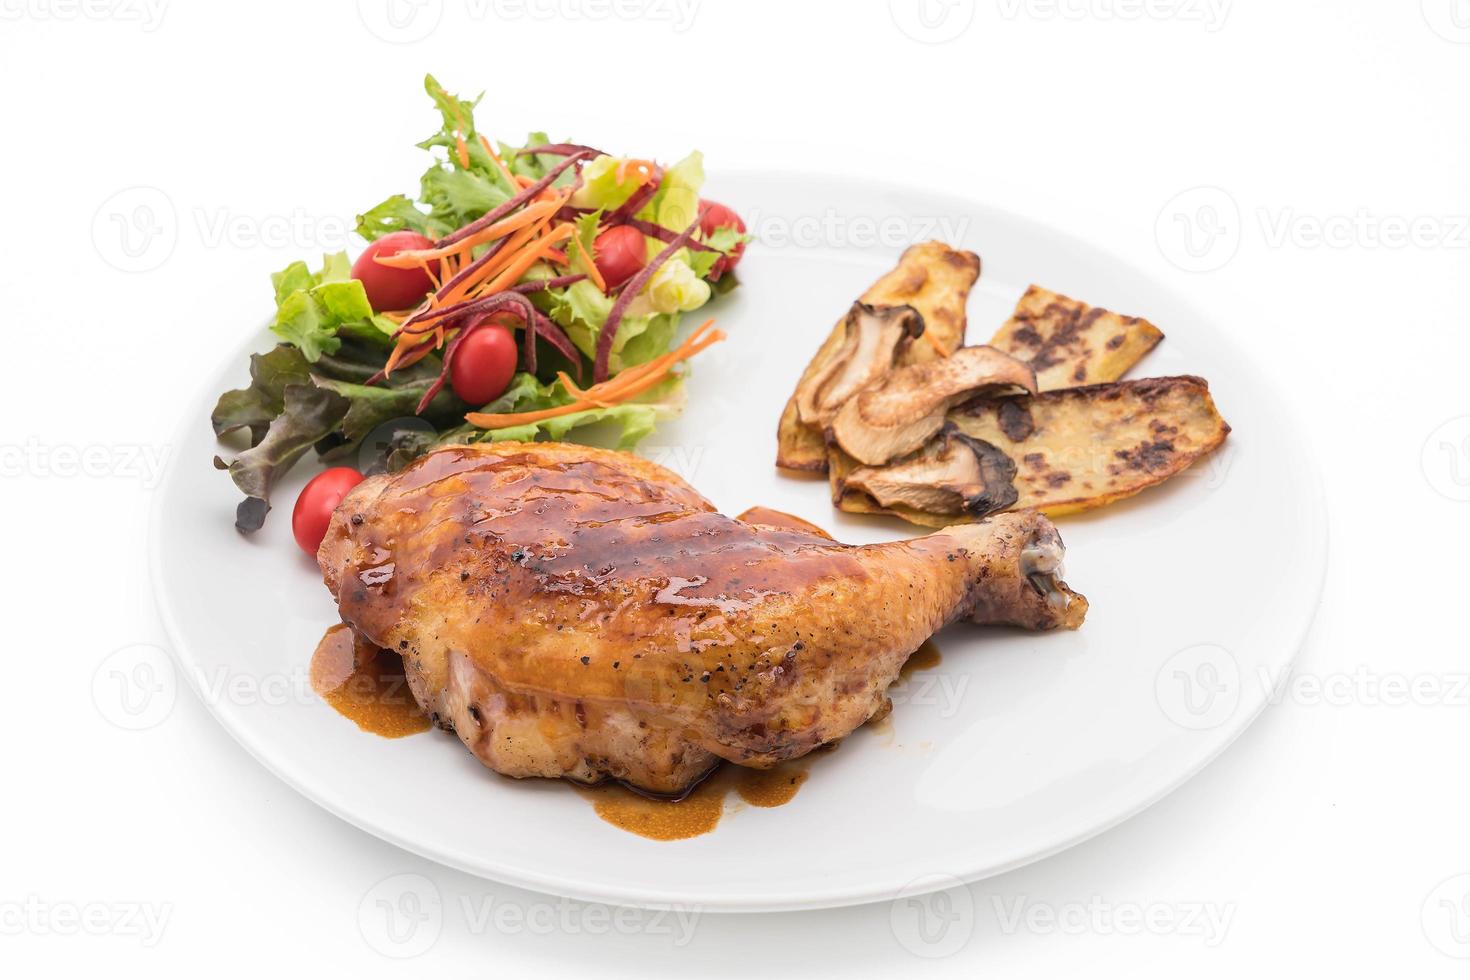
(647, 227)
(559, 150)
(640, 197)
(631, 289)
(555, 282)
(423, 322)
(501, 210)
(382, 373)
(664, 235)
(557, 337)
(479, 310)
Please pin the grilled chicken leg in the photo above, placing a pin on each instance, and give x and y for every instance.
(577, 612)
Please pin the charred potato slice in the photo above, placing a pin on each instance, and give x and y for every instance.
(1070, 343)
(932, 278)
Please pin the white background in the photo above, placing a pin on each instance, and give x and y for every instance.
(1329, 837)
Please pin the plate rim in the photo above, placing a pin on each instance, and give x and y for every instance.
(1317, 533)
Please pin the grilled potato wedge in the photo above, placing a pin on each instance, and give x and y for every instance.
(1069, 343)
(1075, 448)
(932, 278)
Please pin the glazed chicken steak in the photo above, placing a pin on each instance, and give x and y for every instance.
(583, 613)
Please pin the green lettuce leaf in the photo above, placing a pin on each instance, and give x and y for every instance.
(581, 309)
(457, 197)
(725, 239)
(398, 213)
(308, 414)
(256, 406)
(313, 309)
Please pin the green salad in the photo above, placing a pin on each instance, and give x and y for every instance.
(525, 292)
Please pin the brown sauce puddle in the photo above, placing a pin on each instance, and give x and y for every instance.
(700, 811)
(365, 684)
(927, 657)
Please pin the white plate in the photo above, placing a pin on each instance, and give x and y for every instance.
(1016, 746)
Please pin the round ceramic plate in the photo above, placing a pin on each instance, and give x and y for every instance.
(1015, 746)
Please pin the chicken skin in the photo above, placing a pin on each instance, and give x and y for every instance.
(584, 613)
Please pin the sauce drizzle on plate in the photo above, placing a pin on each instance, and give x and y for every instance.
(700, 811)
(365, 684)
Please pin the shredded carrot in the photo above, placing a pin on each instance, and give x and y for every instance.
(528, 256)
(644, 168)
(936, 343)
(479, 283)
(490, 149)
(610, 392)
(462, 151)
(530, 214)
(592, 272)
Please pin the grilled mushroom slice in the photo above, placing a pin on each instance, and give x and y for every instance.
(901, 414)
(953, 474)
(874, 338)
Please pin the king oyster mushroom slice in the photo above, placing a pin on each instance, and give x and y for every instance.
(875, 336)
(953, 474)
(900, 414)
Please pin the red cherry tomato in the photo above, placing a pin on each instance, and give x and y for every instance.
(718, 216)
(317, 501)
(388, 288)
(620, 254)
(483, 364)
